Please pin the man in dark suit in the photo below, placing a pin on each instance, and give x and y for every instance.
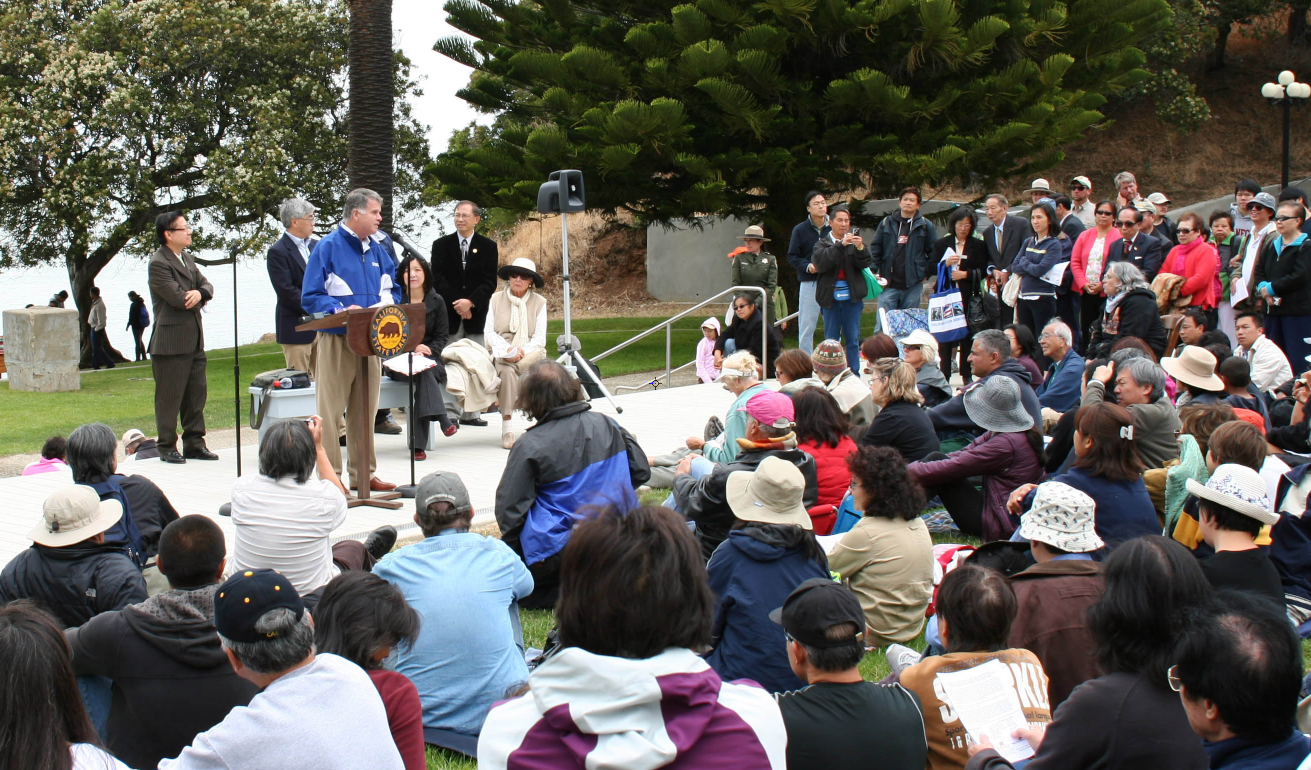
(177, 345)
(1067, 299)
(286, 264)
(1137, 247)
(1004, 238)
(464, 274)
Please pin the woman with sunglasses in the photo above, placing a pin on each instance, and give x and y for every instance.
(745, 333)
(1283, 279)
(1088, 265)
(1198, 262)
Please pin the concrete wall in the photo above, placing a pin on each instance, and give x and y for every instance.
(688, 263)
(41, 349)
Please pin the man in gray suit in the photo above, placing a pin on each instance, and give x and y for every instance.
(1003, 237)
(177, 345)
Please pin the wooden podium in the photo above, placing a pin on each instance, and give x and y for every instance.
(384, 332)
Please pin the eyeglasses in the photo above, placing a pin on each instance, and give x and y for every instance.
(1172, 678)
(179, 230)
(1185, 230)
(1285, 217)
(1125, 224)
(741, 307)
(1105, 213)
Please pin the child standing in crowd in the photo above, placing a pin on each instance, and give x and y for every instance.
(706, 371)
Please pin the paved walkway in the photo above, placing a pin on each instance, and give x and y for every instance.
(659, 419)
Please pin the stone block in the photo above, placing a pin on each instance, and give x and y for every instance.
(42, 349)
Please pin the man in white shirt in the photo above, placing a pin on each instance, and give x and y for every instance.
(284, 517)
(1084, 209)
(1270, 367)
(313, 712)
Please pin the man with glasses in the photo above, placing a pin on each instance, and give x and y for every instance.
(1283, 280)
(286, 263)
(1135, 246)
(1004, 237)
(178, 291)
(1083, 208)
(804, 237)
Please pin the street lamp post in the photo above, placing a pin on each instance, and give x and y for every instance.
(1285, 94)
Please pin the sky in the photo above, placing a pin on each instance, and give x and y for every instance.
(418, 24)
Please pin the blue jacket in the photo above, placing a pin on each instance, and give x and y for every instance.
(920, 240)
(569, 462)
(802, 243)
(1124, 509)
(1242, 754)
(751, 573)
(1064, 384)
(1036, 257)
(340, 273)
(1290, 544)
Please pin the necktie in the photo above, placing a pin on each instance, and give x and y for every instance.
(996, 229)
(464, 252)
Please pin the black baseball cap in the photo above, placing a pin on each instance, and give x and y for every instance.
(244, 598)
(814, 607)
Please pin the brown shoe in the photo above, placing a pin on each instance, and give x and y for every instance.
(376, 485)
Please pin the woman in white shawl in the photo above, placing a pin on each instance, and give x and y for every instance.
(516, 333)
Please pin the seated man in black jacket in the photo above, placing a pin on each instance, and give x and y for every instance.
(769, 434)
(990, 355)
(171, 677)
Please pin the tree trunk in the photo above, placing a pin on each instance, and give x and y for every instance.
(1217, 59)
(369, 162)
(1298, 31)
(82, 271)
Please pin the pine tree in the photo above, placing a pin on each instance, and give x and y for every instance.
(736, 107)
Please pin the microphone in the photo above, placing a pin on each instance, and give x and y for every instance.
(405, 244)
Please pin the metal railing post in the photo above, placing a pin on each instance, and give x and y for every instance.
(669, 341)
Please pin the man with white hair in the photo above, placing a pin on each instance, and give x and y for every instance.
(1140, 387)
(1126, 190)
(1060, 389)
(286, 263)
(315, 711)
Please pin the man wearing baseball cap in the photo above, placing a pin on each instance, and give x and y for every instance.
(1163, 222)
(1232, 508)
(840, 721)
(313, 711)
(474, 655)
(70, 570)
(769, 433)
(138, 447)
(1083, 208)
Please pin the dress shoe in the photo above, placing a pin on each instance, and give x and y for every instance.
(171, 456)
(477, 422)
(420, 455)
(387, 426)
(449, 426)
(376, 485)
(380, 541)
(200, 454)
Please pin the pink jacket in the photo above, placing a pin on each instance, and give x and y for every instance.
(705, 353)
(1201, 265)
(1079, 257)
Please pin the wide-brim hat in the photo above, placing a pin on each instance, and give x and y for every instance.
(1238, 488)
(1062, 517)
(995, 405)
(1264, 199)
(1039, 185)
(523, 266)
(73, 514)
(755, 232)
(1194, 366)
(771, 494)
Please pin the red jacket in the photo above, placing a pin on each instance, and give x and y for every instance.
(1005, 460)
(1079, 256)
(834, 478)
(1201, 266)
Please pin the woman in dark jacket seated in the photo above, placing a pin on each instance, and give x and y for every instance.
(901, 423)
(416, 277)
(1131, 311)
(967, 266)
(745, 334)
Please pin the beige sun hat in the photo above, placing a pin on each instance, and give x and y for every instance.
(1040, 185)
(1062, 517)
(754, 231)
(1195, 366)
(73, 514)
(771, 494)
(1238, 488)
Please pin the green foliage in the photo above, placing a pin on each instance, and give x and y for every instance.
(728, 106)
(113, 111)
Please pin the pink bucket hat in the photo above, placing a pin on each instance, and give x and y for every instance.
(770, 408)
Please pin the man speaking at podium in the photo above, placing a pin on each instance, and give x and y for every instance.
(349, 270)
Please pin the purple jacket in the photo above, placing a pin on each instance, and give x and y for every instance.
(1005, 460)
(671, 710)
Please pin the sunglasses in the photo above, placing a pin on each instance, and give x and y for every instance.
(741, 307)
(1185, 230)
(1077, 187)
(1125, 224)
(1285, 217)
(1105, 213)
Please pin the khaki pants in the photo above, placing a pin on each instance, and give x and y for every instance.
(508, 395)
(300, 357)
(337, 386)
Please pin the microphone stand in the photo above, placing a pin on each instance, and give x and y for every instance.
(411, 489)
(236, 358)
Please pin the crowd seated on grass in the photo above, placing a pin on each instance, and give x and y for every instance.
(1125, 537)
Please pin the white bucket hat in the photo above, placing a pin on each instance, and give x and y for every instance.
(771, 494)
(1238, 488)
(73, 514)
(1062, 517)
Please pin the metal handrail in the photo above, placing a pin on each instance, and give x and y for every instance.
(667, 325)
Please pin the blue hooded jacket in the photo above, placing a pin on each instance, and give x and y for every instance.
(341, 273)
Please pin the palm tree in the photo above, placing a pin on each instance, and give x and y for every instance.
(369, 162)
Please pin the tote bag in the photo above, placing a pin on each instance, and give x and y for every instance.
(947, 320)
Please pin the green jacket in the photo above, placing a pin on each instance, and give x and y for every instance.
(756, 270)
